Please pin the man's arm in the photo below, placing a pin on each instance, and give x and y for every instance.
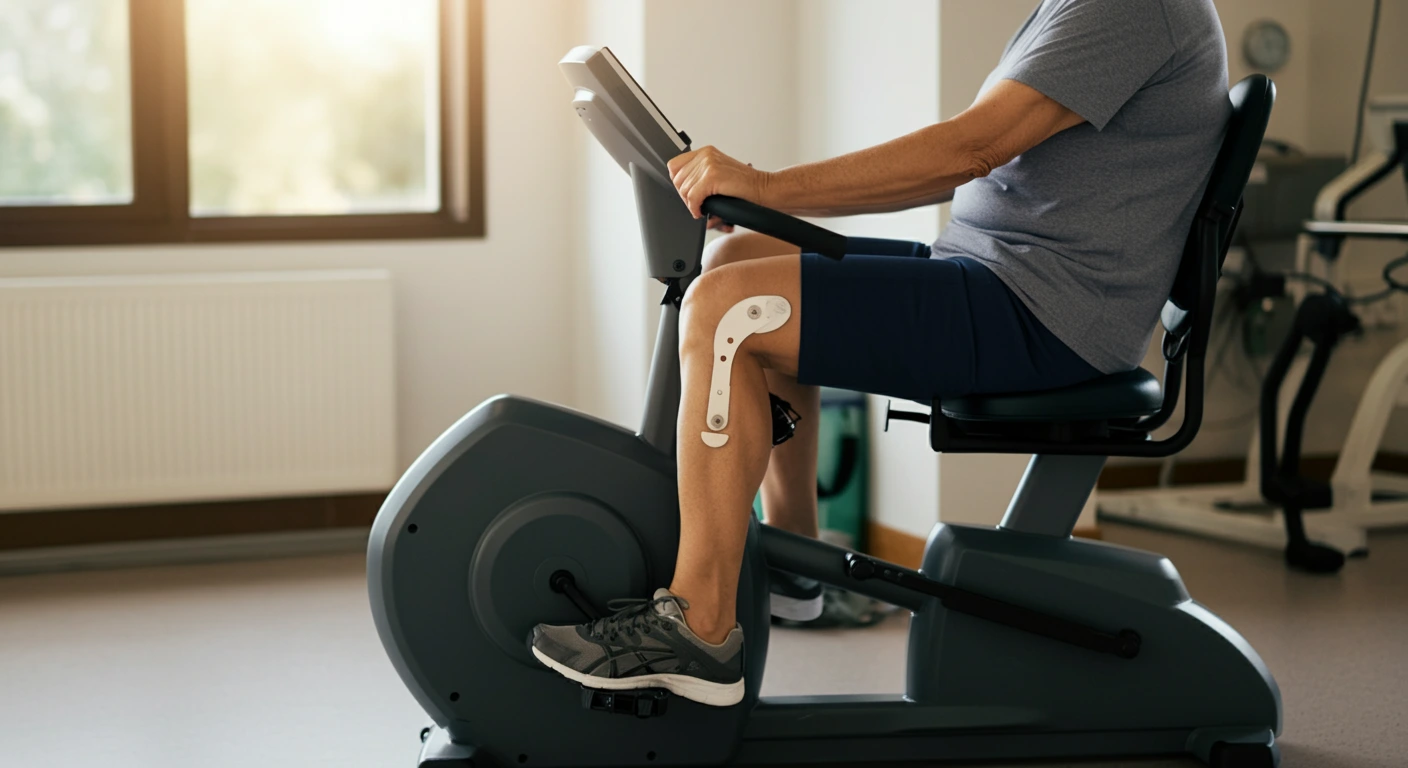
(945, 196)
(920, 168)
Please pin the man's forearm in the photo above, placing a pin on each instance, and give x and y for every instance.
(920, 168)
(904, 205)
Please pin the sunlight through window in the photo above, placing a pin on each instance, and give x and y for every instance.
(313, 107)
(65, 103)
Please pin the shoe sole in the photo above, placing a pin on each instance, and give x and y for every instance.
(692, 688)
(796, 609)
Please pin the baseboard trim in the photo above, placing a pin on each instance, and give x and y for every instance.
(907, 549)
(47, 529)
(1092, 532)
(1229, 469)
(204, 549)
(895, 546)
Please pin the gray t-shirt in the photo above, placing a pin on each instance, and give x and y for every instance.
(1088, 227)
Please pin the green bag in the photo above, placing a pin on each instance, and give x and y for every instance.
(841, 469)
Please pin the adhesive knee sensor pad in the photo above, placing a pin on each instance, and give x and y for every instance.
(759, 314)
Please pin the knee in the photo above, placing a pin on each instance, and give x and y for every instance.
(729, 249)
(742, 246)
(708, 298)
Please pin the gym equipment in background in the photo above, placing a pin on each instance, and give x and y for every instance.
(1269, 508)
(1024, 642)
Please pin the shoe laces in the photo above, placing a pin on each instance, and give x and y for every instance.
(632, 617)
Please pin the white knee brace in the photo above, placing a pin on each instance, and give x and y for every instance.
(758, 314)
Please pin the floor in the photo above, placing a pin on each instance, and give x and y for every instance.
(274, 664)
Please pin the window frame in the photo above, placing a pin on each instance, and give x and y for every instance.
(160, 208)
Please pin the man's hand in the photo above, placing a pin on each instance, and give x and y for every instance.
(707, 171)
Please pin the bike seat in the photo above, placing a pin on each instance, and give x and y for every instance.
(1131, 394)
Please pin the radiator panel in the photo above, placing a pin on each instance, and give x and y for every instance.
(150, 389)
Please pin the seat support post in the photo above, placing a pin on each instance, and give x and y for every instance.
(1052, 494)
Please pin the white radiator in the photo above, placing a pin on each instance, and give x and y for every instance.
(163, 388)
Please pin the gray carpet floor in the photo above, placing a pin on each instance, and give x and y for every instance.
(275, 664)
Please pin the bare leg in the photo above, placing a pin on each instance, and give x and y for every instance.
(789, 487)
(717, 485)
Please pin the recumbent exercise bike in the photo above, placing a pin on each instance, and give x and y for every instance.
(1023, 642)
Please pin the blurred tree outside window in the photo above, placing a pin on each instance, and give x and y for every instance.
(194, 120)
(65, 104)
(313, 106)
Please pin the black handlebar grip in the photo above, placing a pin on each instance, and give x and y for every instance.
(808, 236)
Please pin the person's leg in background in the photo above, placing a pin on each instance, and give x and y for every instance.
(789, 487)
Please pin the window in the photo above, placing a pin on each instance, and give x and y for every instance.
(65, 104)
(126, 121)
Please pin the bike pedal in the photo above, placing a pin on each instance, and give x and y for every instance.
(643, 703)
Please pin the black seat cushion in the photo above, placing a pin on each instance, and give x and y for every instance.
(1131, 394)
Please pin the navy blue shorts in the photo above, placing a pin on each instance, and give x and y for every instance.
(890, 320)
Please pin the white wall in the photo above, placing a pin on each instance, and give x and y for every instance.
(728, 79)
(474, 317)
(972, 37)
(1339, 30)
(1294, 98)
(610, 326)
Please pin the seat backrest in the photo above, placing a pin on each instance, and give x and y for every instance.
(1190, 300)
(1187, 319)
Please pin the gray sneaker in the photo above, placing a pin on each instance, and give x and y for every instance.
(793, 597)
(645, 644)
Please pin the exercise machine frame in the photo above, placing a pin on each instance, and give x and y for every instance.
(1023, 642)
